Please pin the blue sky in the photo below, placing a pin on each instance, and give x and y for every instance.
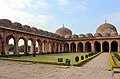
(81, 16)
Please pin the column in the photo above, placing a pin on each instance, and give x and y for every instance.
(62, 47)
(26, 48)
(92, 47)
(84, 47)
(16, 47)
(34, 48)
(101, 47)
(76, 47)
(109, 46)
(69, 47)
(3, 47)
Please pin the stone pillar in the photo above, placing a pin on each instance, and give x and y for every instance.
(118, 47)
(69, 47)
(92, 47)
(34, 48)
(109, 46)
(26, 47)
(62, 47)
(101, 47)
(76, 47)
(3, 47)
(16, 47)
(84, 47)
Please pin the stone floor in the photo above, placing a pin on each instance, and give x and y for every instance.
(98, 68)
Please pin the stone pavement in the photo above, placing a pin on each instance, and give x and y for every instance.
(98, 68)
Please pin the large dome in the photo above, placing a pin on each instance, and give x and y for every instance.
(63, 31)
(106, 28)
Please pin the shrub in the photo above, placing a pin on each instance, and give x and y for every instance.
(76, 59)
(82, 57)
(117, 56)
(34, 54)
(86, 56)
(19, 55)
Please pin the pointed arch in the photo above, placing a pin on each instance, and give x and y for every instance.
(73, 47)
(105, 46)
(97, 46)
(88, 47)
(114, 46)
(80, 47)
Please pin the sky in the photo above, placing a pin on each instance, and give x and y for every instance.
(81, 16)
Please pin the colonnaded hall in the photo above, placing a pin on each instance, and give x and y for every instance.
(106, 39)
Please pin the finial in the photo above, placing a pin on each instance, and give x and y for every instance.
(63, 25)
(105, 21)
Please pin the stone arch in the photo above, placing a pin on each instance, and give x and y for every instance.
(66, 47)
(39, 46)
(105, 46)
(73, 47)
(88, 47)
(45, 46)
(97, 46)
(7, 44)
(31, 46)
(114, 46)
(1, 49)
(80, 47)
(22, 49)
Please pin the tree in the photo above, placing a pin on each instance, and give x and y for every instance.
(11, 47)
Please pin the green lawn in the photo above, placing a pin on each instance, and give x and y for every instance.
(52, 57)
(116, 60)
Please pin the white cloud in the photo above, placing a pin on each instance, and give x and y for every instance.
(10, 10)
(114, 18)
(63, 2)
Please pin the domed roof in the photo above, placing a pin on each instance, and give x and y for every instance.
(106, 34)
(74, 36)
(68, 36)
(97, 35)
(106, 28)
(81, 35)
(89, 35)
(63, 31)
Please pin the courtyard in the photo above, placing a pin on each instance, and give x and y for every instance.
(97, 68)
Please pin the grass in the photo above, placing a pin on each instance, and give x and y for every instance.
(51, 57)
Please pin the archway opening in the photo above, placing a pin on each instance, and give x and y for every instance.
(1, 45)
(21, 46)
(66, 47)
(105, 46)
(114, 46)
(88, 47)
(36, 47)
(30, 47)
(73, 47)
(10, 46)
(97, 47)
(80, 47)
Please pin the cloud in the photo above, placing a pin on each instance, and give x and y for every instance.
(73, 6)
(10, 10)
(114, 18)
(63, 2)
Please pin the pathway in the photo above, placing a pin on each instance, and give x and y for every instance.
(98, 68)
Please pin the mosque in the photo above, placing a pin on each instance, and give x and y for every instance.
(106, 39)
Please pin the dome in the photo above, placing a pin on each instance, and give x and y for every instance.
(16, 25)
(26, 28)
(106, 34)
(5, 22)
(68, 36)
(106, 27)
(63, 31)
(81, 35)
(97, 35)
(89, 35)
(74, 36)
(113, 34)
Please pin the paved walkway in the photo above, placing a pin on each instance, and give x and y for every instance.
(98, 68)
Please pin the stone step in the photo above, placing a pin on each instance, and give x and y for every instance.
(116, 70)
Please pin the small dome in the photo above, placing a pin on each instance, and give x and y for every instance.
(16, 25)
(74, 36)
(26, 28)
(34, 29)
(106, 27)
(113, 34)
(68, 36)
(63, 31)
(81, 35)
(5, 22)
(89, 35)
(40, 32)
(106, 34)
(97, 35)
